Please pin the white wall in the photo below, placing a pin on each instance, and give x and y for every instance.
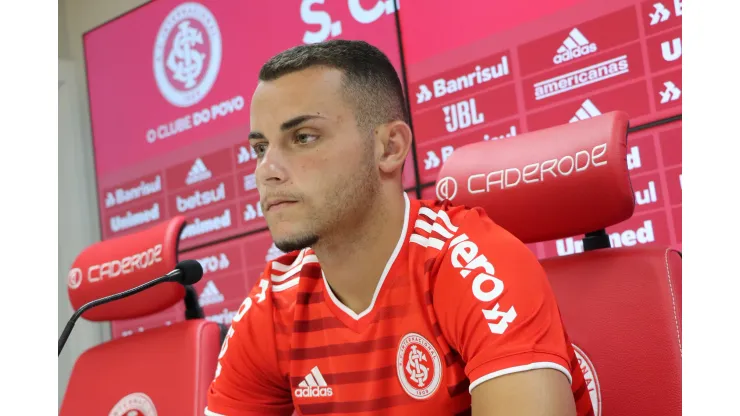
(78, 218)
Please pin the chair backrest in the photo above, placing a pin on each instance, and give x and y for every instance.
(162, 371)
(621, 306)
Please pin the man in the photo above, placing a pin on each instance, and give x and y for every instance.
(383, 305)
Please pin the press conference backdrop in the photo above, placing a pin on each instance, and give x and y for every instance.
(170, 83)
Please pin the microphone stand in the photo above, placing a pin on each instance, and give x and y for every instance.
(71, 323)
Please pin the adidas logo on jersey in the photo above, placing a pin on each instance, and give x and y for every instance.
(198, 172)
(313, 385)
(587, 110)
(210, 295)
(574, 46)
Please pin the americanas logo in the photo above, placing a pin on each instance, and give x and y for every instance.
(187, 54)
(574, 46)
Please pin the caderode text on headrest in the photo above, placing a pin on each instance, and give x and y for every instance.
(538, 171)
(126, 265)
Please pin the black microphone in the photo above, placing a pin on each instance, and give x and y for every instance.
(187, 272)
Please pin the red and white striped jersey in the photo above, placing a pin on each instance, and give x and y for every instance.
(461, 301)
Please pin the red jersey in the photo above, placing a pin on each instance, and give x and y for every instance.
(461, 301)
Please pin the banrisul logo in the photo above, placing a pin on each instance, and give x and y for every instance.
(187, 54)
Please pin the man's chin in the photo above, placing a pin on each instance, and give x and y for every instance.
(292, 243)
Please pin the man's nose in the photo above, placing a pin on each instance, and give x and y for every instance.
(271, 169)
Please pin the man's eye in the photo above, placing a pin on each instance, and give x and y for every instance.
(260, 149)
(305, 138)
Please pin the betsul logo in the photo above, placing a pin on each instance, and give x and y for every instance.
(187, 54)
(446, 188)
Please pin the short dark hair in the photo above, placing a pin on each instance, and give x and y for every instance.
(370, 80)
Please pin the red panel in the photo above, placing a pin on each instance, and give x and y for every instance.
(574, 44)
(592, 74)
(219, 259)
(665, 50)
(250, 213)
(466, 113)
(213, 165)
(641, 156)
(668, 87)
(631, 98)
(464, 80)
(134, 217)
(137, 190)
(215, 292)
(671, 146)
(659, 15)
(433, 154)
(675, 185)
(210, 224)
(648, 189)
(639, 230)
(678, 224)
(210, 193)
(258, 250)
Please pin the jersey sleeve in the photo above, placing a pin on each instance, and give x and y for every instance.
(248, 380)
(494, 302)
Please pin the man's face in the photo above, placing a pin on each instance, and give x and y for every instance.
(316, 170)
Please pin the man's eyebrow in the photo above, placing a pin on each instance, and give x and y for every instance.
(287, 125)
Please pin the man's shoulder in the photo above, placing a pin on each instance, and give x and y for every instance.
(443, 229)
(437, 222)
(436, 211)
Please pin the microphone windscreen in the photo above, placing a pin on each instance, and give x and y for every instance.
(191, 270)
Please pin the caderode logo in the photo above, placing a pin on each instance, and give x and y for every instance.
(114, 268)
(187, 54)
(135, 404)
(446, 188)
(74, 278)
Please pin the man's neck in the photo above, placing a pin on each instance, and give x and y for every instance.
(353, 262)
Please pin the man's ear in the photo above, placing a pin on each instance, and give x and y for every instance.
(395, 144)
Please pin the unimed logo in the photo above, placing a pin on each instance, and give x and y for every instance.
(627, 238)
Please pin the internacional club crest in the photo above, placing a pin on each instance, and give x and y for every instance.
(135, 404)
(187, 54)
(419, 366)
(592, 380)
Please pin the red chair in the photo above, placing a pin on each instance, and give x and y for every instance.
(621, 306)
(163, 371)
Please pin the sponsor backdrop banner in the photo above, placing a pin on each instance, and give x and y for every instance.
(170, 86)
(527, 66)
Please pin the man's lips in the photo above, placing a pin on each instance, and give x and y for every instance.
(278, 204)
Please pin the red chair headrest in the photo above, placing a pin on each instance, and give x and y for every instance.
(548, 184)
(119, 264)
